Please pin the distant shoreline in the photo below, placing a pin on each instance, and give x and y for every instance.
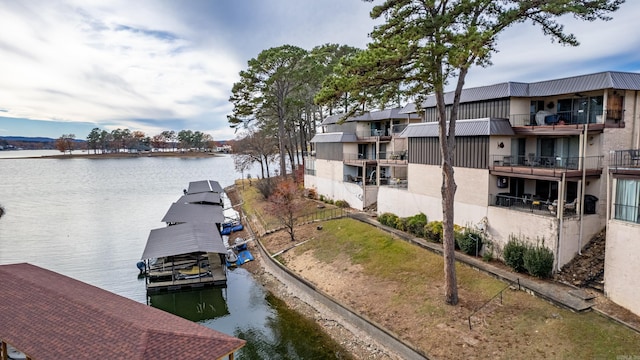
(84, 155)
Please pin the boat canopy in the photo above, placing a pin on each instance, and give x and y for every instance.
(201, 198)
(204, 186)
(181, 213)
(183, 239)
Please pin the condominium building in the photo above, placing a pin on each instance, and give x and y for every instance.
(553, 162)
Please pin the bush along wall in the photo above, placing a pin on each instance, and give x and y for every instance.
(470, 241)
(538, 260)
(521, 256)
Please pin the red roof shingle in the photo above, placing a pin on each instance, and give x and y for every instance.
(47, 315)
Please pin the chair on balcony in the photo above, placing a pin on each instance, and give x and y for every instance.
(506, 161)
(533, 160)
(571, 206)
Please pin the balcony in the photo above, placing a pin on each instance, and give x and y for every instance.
(546, 166)
(373, 135)
(359, 159)
(393, 158)
(625, 161)
(532, 204)
(610, 118)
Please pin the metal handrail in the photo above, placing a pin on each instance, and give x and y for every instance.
(565, 117)
(629, 158)
(549, 162)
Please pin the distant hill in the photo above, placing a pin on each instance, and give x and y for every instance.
(32, 139)
(27, 139)
(28, 143)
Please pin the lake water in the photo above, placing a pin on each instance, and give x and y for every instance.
(90, 219)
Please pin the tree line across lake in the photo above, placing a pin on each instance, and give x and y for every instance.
(103, 141)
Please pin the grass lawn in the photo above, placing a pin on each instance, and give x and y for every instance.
(400, 286)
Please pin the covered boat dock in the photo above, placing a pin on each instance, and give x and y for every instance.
(202, 186)
(187, 213)
(187, 255)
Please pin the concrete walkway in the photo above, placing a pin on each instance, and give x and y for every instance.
(559, 294)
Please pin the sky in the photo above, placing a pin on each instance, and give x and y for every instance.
(68, 66)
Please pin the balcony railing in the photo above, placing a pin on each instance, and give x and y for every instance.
(359, 157)
(394, 155)
(565, 118)
(397, 129)
(372, 133)
(549, 162)
(624, 159)
(626, 213)
(531, 204)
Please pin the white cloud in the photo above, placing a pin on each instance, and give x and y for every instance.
(151, 66)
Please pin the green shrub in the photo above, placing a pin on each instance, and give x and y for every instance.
(342, 204)
(513, 253)
(487, 255)
(469, 241)
(538, 260)
(433, 231)
(401, 224)
(388, 219)
(322, 198)
(416, 223)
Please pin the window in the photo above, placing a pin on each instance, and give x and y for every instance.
(627, 200)
(580, 110)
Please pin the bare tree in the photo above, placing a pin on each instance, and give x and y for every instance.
(285, 204)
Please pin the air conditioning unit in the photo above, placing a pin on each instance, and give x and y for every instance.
(503, 182)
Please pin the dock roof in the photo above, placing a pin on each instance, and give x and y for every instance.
(204, 186)
(183, 212)
(47, 315)
(203, 198)
(183, 239)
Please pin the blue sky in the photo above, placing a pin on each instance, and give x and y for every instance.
(67, 66)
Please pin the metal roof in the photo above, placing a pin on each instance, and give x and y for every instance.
(203, 197)
(183, 239)
(378, 115)
(204, 186)
(334, 137)
(47, 315)
(569, 85)
(184, 213)
(473, 127)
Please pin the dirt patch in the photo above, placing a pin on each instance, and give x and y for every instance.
(587, 269)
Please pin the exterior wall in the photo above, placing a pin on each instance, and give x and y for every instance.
(423, 194)
(621, 281)
(570, 242)
(424, 180)
(520, 106)
(328, 169)
(336, 190)
(345, 127)
(504, 222)
(404, 203)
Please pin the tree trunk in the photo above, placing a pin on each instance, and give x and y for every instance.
(448, 194)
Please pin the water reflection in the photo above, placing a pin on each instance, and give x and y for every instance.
(194, 305)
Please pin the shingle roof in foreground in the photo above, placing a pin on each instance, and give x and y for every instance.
(47, 315)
